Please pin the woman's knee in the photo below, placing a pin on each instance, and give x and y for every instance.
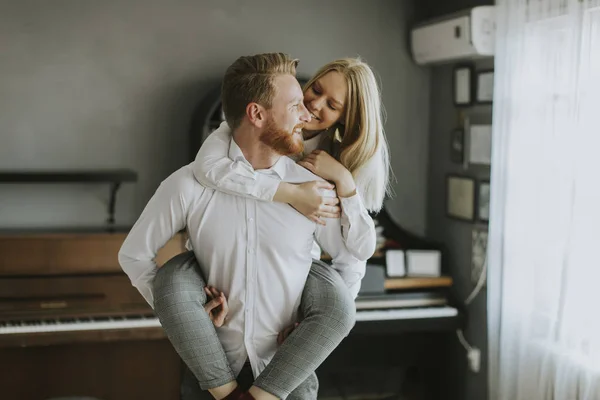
(179, 281)
(330, 299)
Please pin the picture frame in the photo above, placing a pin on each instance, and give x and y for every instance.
(479, 149)
(483, 201)
(462, 78)
(485, 87)
(457, 146)
(460, 197)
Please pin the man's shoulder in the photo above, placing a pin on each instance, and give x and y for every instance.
(183, 181)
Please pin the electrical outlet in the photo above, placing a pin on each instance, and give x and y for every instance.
(474, 356)
(478, 253)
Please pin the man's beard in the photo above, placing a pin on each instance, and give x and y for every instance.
(283, 142)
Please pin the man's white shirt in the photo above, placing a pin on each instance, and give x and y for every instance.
(258, 253)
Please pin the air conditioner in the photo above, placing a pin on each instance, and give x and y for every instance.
(466, 35)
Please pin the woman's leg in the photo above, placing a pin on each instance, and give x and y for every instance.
(329, 313)
(308, 390)
(179, 300)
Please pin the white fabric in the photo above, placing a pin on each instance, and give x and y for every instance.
(544, 265)
(312, 144)
(214, 169)
(257, 253)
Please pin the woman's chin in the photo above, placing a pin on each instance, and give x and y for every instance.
(313, 126)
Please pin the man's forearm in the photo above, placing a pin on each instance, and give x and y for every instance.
(141, 273)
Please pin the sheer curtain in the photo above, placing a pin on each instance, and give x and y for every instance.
(544, 239)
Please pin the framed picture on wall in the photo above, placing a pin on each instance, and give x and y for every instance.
(460, 197)
(483, 201)
(463, 85)
(457, 146)
(485, 87)
(480, 144)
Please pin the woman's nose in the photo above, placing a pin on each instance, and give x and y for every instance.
(316, 103)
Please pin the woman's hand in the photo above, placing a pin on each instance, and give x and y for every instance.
(217, 308)
(320, 163)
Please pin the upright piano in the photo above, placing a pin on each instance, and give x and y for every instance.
(71, 324)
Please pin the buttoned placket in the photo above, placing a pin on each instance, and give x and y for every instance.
(251, 273)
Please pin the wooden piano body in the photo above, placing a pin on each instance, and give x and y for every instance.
(71, 324)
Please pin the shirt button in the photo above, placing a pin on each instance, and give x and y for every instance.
(250, 251)
(251, 220)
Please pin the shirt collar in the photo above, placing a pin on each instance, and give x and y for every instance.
(236, 154)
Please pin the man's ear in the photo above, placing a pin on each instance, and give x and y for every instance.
(256, 114)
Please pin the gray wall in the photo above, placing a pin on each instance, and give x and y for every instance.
(111, 84)
(456, 235)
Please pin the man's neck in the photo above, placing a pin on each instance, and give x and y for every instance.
(259, 155)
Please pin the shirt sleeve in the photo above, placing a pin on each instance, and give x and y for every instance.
(214, 169)
(350, 267)
(358, 228)
(164, 216)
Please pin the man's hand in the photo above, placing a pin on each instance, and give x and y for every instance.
(285, 333)
(217, 308)
(309, 201)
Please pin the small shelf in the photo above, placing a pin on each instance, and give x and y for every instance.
(114, 177)
(417, 283)
(67, 176)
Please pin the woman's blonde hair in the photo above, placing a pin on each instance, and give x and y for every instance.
(364, 149)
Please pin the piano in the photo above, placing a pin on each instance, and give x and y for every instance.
(71, 322)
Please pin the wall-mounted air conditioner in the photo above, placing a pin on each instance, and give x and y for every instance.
(466, 35)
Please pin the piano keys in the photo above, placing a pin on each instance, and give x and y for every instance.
(148, 321)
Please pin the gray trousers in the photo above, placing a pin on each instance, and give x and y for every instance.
(328, 314)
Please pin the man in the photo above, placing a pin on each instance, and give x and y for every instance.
(257, 253)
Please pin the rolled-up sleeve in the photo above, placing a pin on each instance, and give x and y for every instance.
(351, 269)
(358, 228)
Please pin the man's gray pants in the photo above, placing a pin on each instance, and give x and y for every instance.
(328, 311)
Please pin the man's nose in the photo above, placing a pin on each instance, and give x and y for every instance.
(305, 116)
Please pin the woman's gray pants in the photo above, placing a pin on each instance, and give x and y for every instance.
(328, 312)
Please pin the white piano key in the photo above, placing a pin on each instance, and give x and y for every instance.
(406, 313)
(88, 325)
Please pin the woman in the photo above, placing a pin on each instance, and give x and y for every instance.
(346, 145)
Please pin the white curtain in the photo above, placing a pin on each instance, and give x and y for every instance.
(544, 239)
